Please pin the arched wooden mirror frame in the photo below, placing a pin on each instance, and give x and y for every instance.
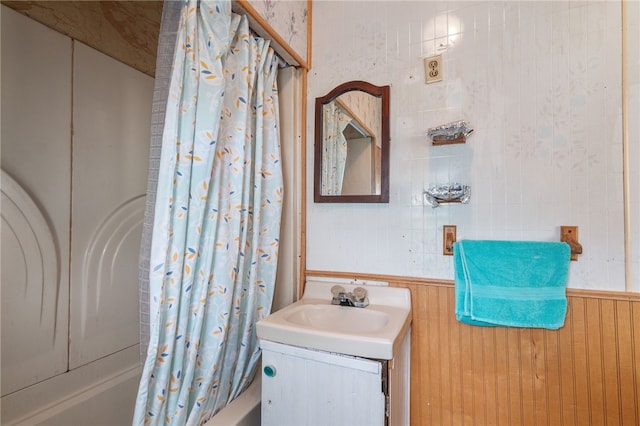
(381, 92)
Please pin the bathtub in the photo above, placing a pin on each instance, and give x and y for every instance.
(103, 393)
(244, 410)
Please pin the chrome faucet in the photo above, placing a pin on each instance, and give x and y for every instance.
(357, 298)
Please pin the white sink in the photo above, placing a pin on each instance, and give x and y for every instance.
(313, 322)
(331, 317)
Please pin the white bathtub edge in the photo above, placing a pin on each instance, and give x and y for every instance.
(244, 410)
(55, 395)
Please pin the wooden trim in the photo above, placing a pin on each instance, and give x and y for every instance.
(303, 187)
(309, 34)
(303, 154)
(394, 279)
(259, 24)
(376, 277)
(603, 294)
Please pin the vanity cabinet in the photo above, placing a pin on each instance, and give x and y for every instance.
(326, 364)
(310, 387)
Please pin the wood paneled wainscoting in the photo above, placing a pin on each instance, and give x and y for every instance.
(586, 373)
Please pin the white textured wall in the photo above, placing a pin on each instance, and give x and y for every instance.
(633, 102)
(541, 84)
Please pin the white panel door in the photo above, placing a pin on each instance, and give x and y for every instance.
(112, 116)
(307, 387)
(36, 135)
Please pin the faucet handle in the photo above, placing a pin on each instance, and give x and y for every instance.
(359, 294)
(336, 290)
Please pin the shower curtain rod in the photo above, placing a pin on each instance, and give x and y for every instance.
(282, 63)
(258, 25)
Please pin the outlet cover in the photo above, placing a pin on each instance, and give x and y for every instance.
(433, 69)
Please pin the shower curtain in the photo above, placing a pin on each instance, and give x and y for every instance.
(216, 226)
(334, 148)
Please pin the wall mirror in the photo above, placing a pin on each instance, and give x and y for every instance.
(351, 163)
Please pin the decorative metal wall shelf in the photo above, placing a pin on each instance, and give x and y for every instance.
(450, 133)
(447, 193)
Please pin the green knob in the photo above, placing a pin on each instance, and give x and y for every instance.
(269, 371)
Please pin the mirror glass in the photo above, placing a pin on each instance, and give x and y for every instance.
(351, 161)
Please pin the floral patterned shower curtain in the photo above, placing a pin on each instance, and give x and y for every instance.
(217, 219)
(334, 148)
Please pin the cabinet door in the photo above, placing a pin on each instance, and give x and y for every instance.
(306, 387)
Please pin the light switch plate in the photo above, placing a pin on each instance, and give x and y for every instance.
(448, 238)
(433, 69)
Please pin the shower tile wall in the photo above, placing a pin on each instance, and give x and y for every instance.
(112, 112)
(32, 148)
(75, 137)
(540, 83)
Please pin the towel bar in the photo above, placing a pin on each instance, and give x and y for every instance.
(569, 235)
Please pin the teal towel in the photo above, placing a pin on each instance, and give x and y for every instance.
(511, 283)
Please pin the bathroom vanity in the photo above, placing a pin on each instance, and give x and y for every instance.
(328, 364)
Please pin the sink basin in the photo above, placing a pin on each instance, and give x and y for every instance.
(331, 317)
(375, 331)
